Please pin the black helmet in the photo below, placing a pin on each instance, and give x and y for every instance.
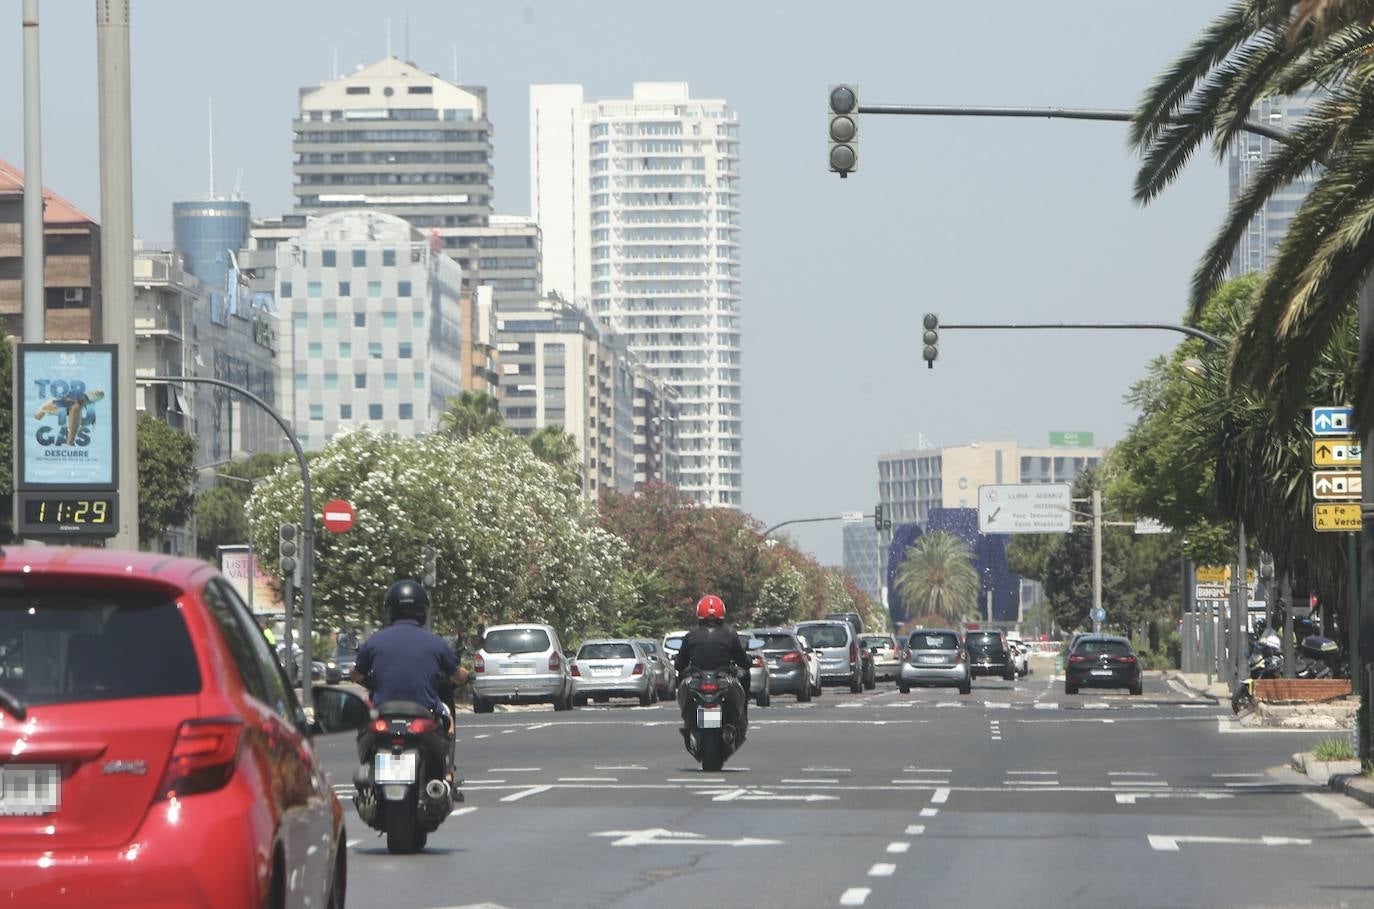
(406, 599)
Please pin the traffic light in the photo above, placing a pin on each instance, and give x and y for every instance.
(431, 566)
(844, 129)
(877, 517)
(286, 548)
(930, 339)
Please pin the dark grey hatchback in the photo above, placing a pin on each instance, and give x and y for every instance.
(989, 654)
(1101, 661)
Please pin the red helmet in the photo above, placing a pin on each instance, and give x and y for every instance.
(710, 607)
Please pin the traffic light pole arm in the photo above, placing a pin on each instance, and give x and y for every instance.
(1052, 113)
(769, 532)
(307, 511)
(1147, 326)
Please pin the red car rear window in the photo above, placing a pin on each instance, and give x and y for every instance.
(62, 647)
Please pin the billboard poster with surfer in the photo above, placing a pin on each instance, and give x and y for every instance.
(67, 421)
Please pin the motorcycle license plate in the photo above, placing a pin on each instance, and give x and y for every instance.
(394, 768)
(708, 717)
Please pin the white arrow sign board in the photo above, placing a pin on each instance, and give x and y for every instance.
(1025, 508)
(1336, 484)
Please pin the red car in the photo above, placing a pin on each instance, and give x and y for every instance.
(152, 754)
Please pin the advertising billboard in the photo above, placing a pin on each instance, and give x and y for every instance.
(238, 564)
(66, 422)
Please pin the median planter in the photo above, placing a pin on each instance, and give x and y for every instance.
(1306, 690)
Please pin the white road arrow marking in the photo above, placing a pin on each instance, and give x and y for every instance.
(658, 836)
(1171, 843)
(762, 795)
(1130, 798)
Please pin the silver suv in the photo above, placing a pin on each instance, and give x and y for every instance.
(835, 643)
(520, 664)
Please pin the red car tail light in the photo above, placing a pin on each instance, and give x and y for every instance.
(203, 757)
(793, 656)
(479, 664)
(1077, 658)
(573, 670)
(1123, 659)
(853, 652)
(757, 661)
(555, 662)
(420, 725)
(638, 670)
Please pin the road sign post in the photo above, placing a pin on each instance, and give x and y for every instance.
(1025, 508)
(338, 516)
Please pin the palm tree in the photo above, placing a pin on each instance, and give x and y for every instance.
(552, 445)
(1255, 49)
(938, 579)
(470, 414)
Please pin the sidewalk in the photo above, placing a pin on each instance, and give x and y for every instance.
(1196, 682)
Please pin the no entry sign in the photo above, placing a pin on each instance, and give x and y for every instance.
(338, 516)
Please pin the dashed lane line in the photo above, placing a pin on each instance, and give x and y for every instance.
(456, 812)
(940, 797)
(882, 870)
(929, 812)
(526, 793)
(915, 829)
(898, 847)
(855, 896)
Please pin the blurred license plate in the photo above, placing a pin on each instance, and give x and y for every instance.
(708, 717)
(27, 789)
(932, 659)
(394, 768)
(605, 670)
(1101, 672)
(520, 668)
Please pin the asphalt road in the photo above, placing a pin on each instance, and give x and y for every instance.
(1015, 795)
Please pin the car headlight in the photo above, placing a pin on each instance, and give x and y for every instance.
(331, 665)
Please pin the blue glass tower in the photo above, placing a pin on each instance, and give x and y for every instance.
(208, 234)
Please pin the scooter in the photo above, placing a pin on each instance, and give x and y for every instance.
(402, 787)
(1265, 661)
(713, 714)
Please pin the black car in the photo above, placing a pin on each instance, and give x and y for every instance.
(1101, 661)
(989, 654)
(338, 666)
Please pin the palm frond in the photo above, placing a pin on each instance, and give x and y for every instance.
(1327, 62)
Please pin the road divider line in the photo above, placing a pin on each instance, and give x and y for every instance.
(619, 767)
(538, 726)
(1131, 773)
(1233, 776)
(915, 829)
(525, 793)
(1032, 773)
(588, 779)
(1137, 783)
(826, 770)
(854, 896)
(491, 782)
(926, 770)
(1030, 782)
(466, 810)
(485, 735)
(929, 812)
(898, 847)
(940, 797)
(813, 780)
(513, 769)
(911, 782)
(882, 870)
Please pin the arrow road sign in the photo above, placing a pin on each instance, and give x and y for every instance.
(1336, 451)
(1025, 508)
(1336, 516)
(1340, 485)
(1171, 843)
(1331, 421)
(658, 836)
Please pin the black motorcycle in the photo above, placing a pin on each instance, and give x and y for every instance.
(402, 786)
(713, 715)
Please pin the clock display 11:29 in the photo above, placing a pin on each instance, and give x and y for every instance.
(69, 514)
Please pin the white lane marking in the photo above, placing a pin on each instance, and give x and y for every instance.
(854, 896)
(658, 836)
(351, 843)
(538, 726)
(1049, 705)
(926, 770)
(826, 770)
(915, 829)
(814, 780)
(898, 847)
(509, 731)
(940, 797)
(619, 767)
(882, 870)
(910, 782)
(1032, 773)
(483, 736)
(950, 704)
(1129, 798)
(1230, 776)
(588, 779)
(1030, 782)
(467, 810)
(525, 793)
(513, 769)
(929, 812)
(762, 795)
(1171, 843)
(997, 705)
(997, 738)
(1131, 773)
(1136, 783)
(491, 782)
(1097, 705)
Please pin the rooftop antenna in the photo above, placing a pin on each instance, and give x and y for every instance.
(336, 61)
(455, 64)
(388, 39)
(407, 27)
(238, 185)
(211, 103)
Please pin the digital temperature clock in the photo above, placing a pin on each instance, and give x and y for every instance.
(64, 514)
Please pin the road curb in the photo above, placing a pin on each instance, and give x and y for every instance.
(1202, 693)
(1355, 785)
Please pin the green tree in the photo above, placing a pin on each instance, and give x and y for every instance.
(221, 516)
(165, 475)
(938, 579)
(1027, 554)
(470, 414)
(1277, 47)
(780, 598)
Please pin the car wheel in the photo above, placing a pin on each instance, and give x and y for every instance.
(966, 688)
(1070, 689)
(338, 885)
(646, 698)
(1138, 688)
(481, 705)
(579, 700)
(870, 682)
(904, 688)
(765, 698)
(1009, 675)
(804, 693)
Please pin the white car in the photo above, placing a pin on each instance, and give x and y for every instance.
(1020, 653)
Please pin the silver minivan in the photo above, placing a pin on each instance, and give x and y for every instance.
(838, 648)
(520, 664)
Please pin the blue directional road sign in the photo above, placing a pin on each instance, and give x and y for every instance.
(1331, 421)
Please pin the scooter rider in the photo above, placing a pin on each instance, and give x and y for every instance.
(713, 645)
(406, 662)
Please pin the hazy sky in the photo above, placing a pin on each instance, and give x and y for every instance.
(977, 220)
